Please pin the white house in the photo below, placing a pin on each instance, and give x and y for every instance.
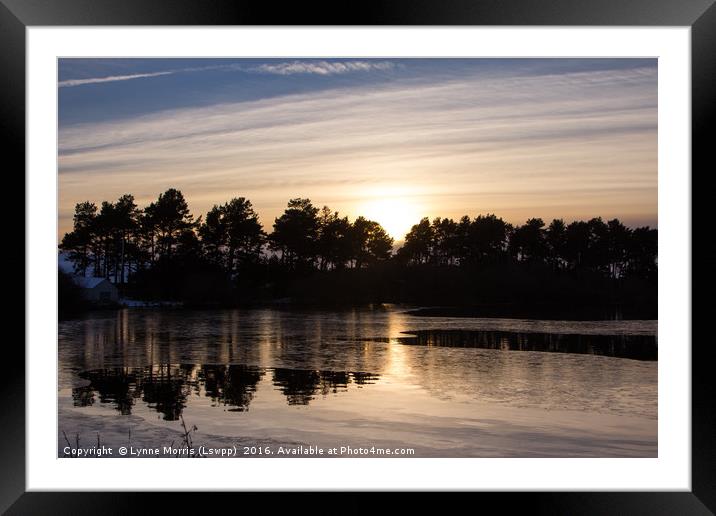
(97, 290)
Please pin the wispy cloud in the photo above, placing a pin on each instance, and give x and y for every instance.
(323, 67)
(95, 80)
(129, 77)
(581, 144)
(284, 68)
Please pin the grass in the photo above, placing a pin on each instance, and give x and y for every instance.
(187, 442)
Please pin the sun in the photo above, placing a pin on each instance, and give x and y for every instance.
(396, 214)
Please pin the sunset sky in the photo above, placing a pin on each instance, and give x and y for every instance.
(392, 139)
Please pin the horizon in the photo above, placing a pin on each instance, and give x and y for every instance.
(397, 241)
(394, 140)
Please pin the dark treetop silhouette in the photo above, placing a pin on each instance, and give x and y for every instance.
(316, 256)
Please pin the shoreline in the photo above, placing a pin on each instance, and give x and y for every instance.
(514, 311)
(488, 311)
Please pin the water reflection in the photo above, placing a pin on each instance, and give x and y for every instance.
(291, 357)
(231, 386)
(167, 388)
(637, 347)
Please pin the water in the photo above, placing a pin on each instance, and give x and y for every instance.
(443, 387)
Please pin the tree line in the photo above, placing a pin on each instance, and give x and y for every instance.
(610, 248)
(118, 240)
(163, 242)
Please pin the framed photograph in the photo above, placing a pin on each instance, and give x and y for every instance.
(434, 248)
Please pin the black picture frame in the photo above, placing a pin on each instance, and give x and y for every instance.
(700, 15)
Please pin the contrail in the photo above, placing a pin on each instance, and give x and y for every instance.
(284, 68)
(79, 82)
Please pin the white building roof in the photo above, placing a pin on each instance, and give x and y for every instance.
(88, 282)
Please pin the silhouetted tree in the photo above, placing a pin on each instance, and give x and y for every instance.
(418, 246)
(213, 236)
(576, 245)
(487, 238)
(124, 223)
(105, 225)
(295, 233)
(598, 250)
(528, 243)
(370, 242)
(162, 252)
(445, 245)
(79, 243)
(232, 235)
(556, 240)
(168, 217)
(335, 240)
(617, 247)
(642, 253)
(462, 248)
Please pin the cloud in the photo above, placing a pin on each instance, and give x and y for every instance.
(79, 82)
(286, 68)
(323, 67)
(113, 78)
(555, 145)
